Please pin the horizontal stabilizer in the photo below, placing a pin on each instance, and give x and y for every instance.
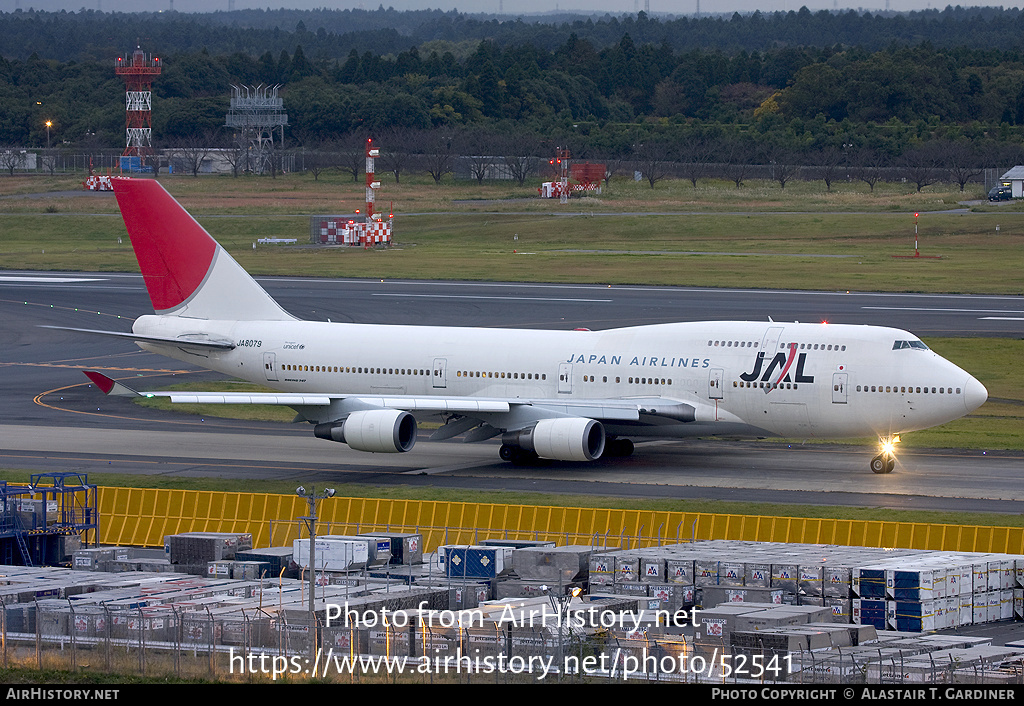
(202, 343)
(109, 386)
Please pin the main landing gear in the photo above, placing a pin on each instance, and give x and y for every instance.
(618, 448)
(885, 461)
(518, 456)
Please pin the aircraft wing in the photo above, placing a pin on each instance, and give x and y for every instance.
(479, 408)
(564, 429)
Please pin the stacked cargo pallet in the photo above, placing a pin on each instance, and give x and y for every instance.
(503, 569)
(938, 590)
(120, 559)
(788, 606)
(895, 589)
(191, 552)
(169, 607)
(903, 589)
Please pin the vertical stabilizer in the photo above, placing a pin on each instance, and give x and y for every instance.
(186, 272)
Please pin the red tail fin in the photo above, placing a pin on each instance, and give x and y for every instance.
(174, 252)
(187, 273)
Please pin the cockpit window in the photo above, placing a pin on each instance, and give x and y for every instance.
(919, 345)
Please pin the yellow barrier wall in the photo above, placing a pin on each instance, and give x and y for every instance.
(143, 517)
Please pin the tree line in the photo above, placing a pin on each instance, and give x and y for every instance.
(331, 34)
(604, 99)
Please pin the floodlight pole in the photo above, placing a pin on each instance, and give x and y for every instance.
(311, 497)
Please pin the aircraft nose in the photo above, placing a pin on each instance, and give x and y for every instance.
(975, 394)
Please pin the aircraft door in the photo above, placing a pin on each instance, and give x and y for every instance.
(770, 342)
(440, 374)
(565, 378)
(270, 366)
(715, 389)
(839, 388)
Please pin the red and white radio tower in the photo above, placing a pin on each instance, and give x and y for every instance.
(138, 71)
(371, 182)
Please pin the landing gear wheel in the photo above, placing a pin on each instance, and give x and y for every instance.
(883, 463)
(618, 448)
(517, 455)
(508, 452)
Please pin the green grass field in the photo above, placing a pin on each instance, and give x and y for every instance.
(716, 235)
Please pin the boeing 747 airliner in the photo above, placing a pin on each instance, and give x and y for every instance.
(563, 395)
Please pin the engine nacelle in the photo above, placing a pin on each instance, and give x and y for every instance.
(377, 430)
(569, 439)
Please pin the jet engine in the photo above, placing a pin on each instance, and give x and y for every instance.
(377, 430)
(568, 439)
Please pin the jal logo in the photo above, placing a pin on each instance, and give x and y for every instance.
(779, 369)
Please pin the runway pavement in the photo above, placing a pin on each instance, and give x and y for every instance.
(52, 420)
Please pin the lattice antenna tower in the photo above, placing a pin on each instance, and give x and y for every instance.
(257, 112)
(138, 70)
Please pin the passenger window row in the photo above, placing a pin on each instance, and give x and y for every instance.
(816, 346)
(782, 346)
(344, 369)
(505, 376)
(894, 388)
(733, 344)
(769, 385)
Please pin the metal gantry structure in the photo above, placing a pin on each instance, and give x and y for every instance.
(138, 70)
(257, 112)
(44, 522)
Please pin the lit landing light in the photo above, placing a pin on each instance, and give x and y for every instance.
(889, 445)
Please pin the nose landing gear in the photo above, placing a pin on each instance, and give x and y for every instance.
(885, 461)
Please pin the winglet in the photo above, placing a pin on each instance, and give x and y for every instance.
(109, 386)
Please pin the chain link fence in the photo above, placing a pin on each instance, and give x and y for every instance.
(193, 642)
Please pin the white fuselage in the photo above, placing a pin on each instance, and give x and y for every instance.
(752, 378)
